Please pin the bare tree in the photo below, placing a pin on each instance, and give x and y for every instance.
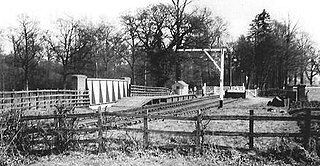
(184, 25)
(63, 44)
(305, 46)
(131, 38)
(103, 47)
(158, 30)
(312, 69)
(312, 65)
(27, 46)
(179, 29)
(72, 46)
(290, 51)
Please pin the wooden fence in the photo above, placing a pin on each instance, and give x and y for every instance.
(198, 132)
(137, 90)
(42, 99)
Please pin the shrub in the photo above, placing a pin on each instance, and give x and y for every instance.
(291, 152)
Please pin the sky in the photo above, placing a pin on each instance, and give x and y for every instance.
(238, 13)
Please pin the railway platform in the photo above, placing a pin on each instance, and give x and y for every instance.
(141, 101)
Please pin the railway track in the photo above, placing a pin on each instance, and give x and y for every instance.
(42, 138)
(46, 135)
(180, 108)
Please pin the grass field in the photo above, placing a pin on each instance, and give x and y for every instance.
(269, 151)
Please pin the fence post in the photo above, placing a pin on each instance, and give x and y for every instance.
(251, 129)
(307, 128)
(29, 99)
(100, 134)
(198, 130)
(129, 90)
(56, 120)
(56, 128)
(12, 106)
(145, 131)
(37, 99)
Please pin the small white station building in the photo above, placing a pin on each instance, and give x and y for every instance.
(180, 88)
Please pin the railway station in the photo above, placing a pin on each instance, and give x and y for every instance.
(102, 105)
(181, 82)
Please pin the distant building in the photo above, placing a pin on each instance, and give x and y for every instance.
(180, 88)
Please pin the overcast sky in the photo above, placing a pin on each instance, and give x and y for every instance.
(238, 13)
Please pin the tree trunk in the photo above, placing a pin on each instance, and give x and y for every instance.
(133, 75)
(178, 70)
(301, 77)
(64, 78)
(311, 77)
(26, 81)
(230, 71)
(106, 71)
(145, 72)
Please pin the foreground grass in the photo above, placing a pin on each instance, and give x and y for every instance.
(285, 153)
(156, 157)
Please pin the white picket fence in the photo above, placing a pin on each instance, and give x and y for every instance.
(215, 90)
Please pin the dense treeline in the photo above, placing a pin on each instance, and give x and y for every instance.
(275, 54)
(144, 48)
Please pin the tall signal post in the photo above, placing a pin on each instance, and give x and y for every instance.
(220, 68)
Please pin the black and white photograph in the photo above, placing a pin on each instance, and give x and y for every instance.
(160, 83)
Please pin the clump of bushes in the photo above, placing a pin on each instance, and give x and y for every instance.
(291, 151)
(10, 130)
(17, 138)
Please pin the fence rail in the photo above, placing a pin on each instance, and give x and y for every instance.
(42, 99)
(137, 90)
(198, 132)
